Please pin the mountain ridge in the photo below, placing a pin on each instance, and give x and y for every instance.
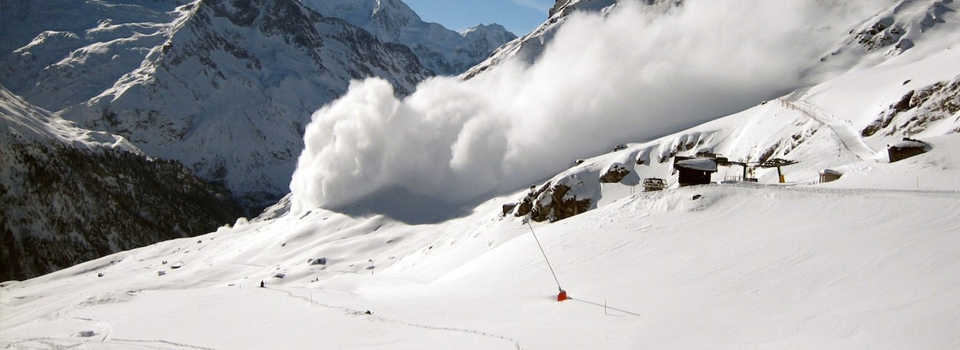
(443, 51)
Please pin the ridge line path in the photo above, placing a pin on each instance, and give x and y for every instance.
(849, 137)
(404, 323)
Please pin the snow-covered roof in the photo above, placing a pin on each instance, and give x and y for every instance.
(702, 164)
(909, 144)
(830, 172)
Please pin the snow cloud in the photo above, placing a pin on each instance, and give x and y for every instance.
(629, 76)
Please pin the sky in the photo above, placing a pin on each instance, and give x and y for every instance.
(518, 16)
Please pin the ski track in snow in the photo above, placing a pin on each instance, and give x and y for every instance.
(849, 137)
(59, 343)
(162, 342)
(105, 341)
(388, 320)
(799, 187)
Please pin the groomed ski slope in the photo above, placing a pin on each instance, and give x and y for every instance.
(832, 266)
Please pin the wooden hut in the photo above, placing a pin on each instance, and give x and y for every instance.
(695, 171)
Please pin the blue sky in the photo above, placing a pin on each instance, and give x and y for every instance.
(518, 16)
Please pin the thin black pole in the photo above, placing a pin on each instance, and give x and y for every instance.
(545, 256)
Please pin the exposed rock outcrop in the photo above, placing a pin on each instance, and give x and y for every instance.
(919, 110)
(614, 173)
(900, 25)
(564, 197)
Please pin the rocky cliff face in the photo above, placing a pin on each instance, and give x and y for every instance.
(936, 106)
(442, 50)
(70, 195)
(223, 86)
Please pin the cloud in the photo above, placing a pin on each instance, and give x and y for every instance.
(629, 76)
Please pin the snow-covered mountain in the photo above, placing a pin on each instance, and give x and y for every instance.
(224, 87)
(530, 46)
(866, 261)
(442, 50)
(71, 195)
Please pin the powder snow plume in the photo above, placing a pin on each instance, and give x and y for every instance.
(628, 76)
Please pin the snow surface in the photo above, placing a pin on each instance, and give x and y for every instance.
(751, 266)
(699, 164)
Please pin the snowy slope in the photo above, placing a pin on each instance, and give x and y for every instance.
(441, 50)
(26, 122)
(744, 266)
(918, 28)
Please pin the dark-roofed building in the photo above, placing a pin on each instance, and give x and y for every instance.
(906, 149)
(694, 171)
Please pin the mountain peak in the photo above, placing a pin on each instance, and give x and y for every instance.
(479, 28)
(439, 49)
(394, 8)
(362, 12)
